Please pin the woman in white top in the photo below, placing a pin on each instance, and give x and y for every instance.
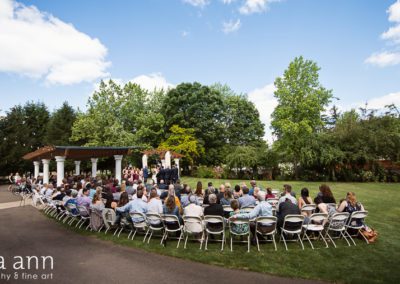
(154, 205)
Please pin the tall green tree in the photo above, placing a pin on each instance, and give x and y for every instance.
(301, 101)
(192, 105)
(59, 127)
(182, 141)
(22, 130)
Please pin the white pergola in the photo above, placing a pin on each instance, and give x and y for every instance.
(77, 153)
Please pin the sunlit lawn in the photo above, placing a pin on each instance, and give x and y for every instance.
(375, 263)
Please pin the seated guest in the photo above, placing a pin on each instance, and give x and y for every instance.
(143, 189)
(97, 203)
(285, 208)
(185, 195)
(325, 200)
(92, 189)
(43, 189)
(263, 209)
(171, 192)
(227, 198)
(58, 194)
(199, 190)
(246, 200)
(106, 194)
(209, 190)
(304, 198)
(287, 194)
(84, 200)
(221, 193)
(269, 194)
(123, 200)
(72, 200)
(137, 205)
(350, 204)
(237, 192)
(117, 195)
(49, 191)
(170, 207)
(67, 196)
(193, 210)
(253, 185)
(162, 185)
(237, 228)
(214, 208)
(154, 205)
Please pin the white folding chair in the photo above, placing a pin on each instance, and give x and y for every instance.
(275, 192)
(247, 209)
(337, 225)
(292, 224)
(308, 208)
(85, 216)
(109, 218)
(139, 223)
(315, 225)
(273, 202)
(232, 233)
(356, 222)
(266, 221)
(214, 225)
(154, 224)
(172, 225)
(193, 225)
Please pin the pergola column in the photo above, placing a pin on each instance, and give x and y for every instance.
(163, 163)
(36, 165)
(168, 159)
(118, 167)
(60, 169)
(144, 161)
(77, 168)
(177, 165)
(94, 166)
(46, 163)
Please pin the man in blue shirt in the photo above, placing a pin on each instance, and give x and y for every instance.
(135, 206)
(246, 200)
(263, 209)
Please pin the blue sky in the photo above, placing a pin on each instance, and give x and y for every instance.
(244, 43)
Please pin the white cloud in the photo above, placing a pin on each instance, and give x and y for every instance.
(264, 100)
(185, 33)
(394, 12)
(153, 81)
(383, 59)
(197, 3)
(379, 103)
(255, 6)
(393, 33)
(39, 45)
(388, 58)
(228, 1)
(231, 26)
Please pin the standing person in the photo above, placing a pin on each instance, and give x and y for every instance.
(162, 174)
(145, 174)
(168, 176)
(175, 173)
(11, 181)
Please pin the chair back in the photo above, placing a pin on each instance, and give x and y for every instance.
(135, 216)
(293, 223)
(338, 221)
(265, 221)
(273, 201)
(109, 217)
(247, 209)
(318, 218)
(357, 217)
(171, 222)
(153, 218)
(191, 223)
(71, 208)
(309, 208)
(236, 223)
(214, 220)
(83, 211)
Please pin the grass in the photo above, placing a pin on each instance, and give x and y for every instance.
(374, 263)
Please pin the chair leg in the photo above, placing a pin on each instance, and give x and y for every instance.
(322, 237)
(231, 242)
(284, 240)
(365, 239)
(305, 235)
(354, 243)
(206, 242)
(344, 236)
(145, 236)
(301, 242)
(258, 243)
(248, 243)
(179, 240)
(330, 238)
(187, 236)
(273, 240)
(223, 241)
(202, 239)
(151, 234)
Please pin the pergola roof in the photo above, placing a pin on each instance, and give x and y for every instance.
(77, 152)
(161, 153)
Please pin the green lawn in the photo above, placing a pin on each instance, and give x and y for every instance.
(375, 263)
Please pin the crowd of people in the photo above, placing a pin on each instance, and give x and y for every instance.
(140, 193)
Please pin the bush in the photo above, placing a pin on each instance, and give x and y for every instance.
(204, 172)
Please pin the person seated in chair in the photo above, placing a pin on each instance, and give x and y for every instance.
(247, 199)
(214, 209)
(137, 205)
(286, 208)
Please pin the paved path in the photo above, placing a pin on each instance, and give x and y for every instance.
(84, 259)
